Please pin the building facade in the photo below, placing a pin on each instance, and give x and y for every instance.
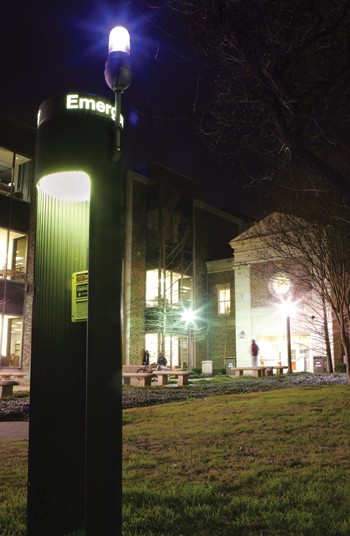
(17, 145)
(272, 296)
(177, 259)
(169, 237)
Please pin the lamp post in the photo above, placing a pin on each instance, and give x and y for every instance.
(289, 346)
(103, 512)
(118, 76)
(288, 309)
(189, 316)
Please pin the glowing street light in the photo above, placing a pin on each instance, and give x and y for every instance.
(104, 383)
(118, 76)
(188, 316)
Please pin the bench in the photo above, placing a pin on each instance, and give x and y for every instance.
(12, 375)
(144, 378)
(279, 369)
(163, 376)
(256, 371)
(7, 388)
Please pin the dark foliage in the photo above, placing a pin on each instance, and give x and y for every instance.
(278, 72)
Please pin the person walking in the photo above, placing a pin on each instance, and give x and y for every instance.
(254, 352)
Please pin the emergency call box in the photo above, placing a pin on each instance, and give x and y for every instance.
(80, 296)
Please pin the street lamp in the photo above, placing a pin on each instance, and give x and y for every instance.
(104, 337)
(118, 76)
(288, 308)
(188, 316)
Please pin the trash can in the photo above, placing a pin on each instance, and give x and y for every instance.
(207, 368)
(320, 365)
(230, 363)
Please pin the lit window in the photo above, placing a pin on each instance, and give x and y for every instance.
(224, 300)
(163, 286)
(13, 255)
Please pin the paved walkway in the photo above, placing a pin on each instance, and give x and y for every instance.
(14, 430)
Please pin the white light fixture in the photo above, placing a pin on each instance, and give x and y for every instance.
(118, 73)
(66, 185)
(119, 40)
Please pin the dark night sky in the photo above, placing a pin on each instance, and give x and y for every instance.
(52, 50)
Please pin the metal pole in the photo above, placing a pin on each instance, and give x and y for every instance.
(189, 346)
(289, 347)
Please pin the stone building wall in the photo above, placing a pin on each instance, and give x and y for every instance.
(213, 231)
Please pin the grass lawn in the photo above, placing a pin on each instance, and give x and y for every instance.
(263, 463)
(272, 463)
(13, 487)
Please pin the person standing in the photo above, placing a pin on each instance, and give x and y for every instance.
(254, 352)
(145, 358)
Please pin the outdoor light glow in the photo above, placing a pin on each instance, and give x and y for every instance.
(119, 40)
(287, 307)
(188, 316)
(66, 185)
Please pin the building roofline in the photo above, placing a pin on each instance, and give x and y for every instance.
(220, 265)
(218, 211)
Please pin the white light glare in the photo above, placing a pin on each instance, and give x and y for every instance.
(119, 40)
(66, 185)
(188, 316)
(287, 307)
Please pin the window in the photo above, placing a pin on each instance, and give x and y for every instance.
(165, 286)
(13, 255)
(14, 341)
(172, 348)
(224, 300)
(13, 261)
(15, 174)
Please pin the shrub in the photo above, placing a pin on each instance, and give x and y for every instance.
(340, 367)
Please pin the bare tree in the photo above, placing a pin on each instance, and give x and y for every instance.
(277, 85)
(318, 258)
(170, 254)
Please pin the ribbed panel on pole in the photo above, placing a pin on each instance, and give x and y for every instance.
(58, 365)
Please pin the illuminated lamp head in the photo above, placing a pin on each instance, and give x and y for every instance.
(119, 40)
(118, 73)
(66, 185)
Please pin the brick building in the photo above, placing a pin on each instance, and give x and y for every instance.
(270, 290)
(17, 144)
(170, 236)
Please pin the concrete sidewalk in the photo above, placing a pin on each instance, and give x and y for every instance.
(14, 430)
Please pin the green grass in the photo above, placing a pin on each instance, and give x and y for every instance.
(13, 487)
(263, 463)
(273, 463)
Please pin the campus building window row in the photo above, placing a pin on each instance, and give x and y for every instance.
(16, 173)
